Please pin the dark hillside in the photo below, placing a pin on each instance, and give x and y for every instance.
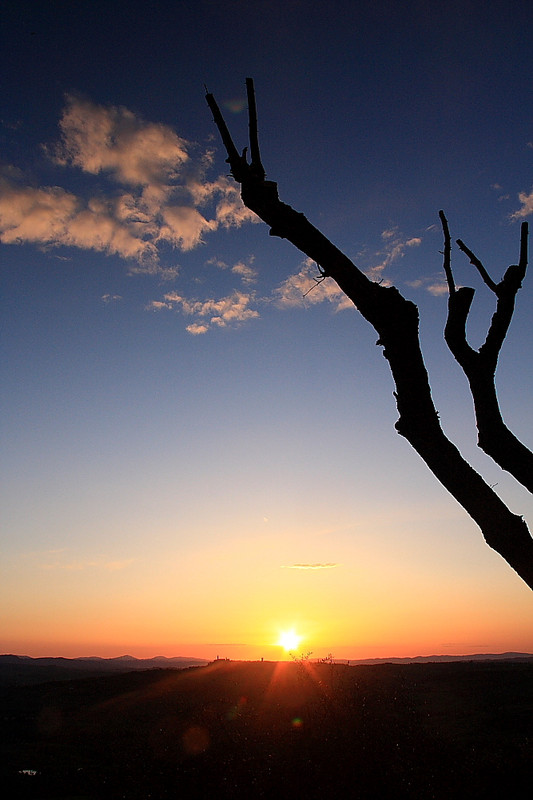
(236, 729)
(22, 670)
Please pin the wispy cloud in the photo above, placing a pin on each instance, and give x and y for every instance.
(306, 287)
(395, 246)
(154, 190)
(497, 187)
(81, 565)
(233, 309)
(309, 566)
(526, 208)
(246, 272)
(243, 269)
(435, 285)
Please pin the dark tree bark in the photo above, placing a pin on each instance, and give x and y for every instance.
(396, 321)
(480, 365)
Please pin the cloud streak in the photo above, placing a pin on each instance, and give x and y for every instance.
(310, 566)
(80, 566)
(395, 246)
(436, 286)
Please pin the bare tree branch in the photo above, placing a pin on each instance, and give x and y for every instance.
(396, 321)
(237, 162)
(478, 265)
(494, 438)
(447, 262)
(256, 165)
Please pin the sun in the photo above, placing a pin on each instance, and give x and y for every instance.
(289, 640)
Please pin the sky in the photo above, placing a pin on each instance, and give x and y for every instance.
(198, 444)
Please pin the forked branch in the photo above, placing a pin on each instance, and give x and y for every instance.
(494, 437)
(396, 321)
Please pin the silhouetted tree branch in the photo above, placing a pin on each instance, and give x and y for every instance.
(480, 365)
(396, 321)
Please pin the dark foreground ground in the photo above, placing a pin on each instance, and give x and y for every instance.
(246, 730)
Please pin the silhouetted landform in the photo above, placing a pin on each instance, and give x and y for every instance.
(21, 670)
(446, 659)
(287, 730)
(24, 670)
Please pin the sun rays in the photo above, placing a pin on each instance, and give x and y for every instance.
(289, 640)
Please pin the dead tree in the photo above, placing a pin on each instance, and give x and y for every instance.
(479, 366)
(396, 322)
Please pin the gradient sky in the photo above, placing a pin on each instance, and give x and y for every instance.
(194, 456)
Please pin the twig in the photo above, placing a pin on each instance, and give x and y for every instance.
(474, 260)
(256, 165)
(235, 160)
(524, 230)
(447, 263)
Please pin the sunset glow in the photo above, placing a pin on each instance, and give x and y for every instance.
(289, 640)
(199, 455)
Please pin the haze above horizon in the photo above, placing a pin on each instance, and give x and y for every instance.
(196, 457)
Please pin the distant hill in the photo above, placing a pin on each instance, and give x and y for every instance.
(23, 670)
(443, 659)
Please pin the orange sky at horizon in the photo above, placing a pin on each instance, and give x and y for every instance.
(234, 614)
(199, 448)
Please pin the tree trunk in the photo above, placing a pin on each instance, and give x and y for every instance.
(396, 321)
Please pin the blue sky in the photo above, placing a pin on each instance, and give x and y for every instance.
(180, 424)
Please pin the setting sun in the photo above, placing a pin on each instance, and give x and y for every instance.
(289, 640)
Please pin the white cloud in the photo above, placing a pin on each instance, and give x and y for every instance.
(231, 310)
(50, 215)
(307, 288)
(34, 215)
(184, 226)
(157, 305)
(527, 206)
(395, 247)
(106, 138)
(98, 227)
(154, 184)
(436, 286)
(197, 328)
(437, 289)
(230, 210)
(245, 271)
